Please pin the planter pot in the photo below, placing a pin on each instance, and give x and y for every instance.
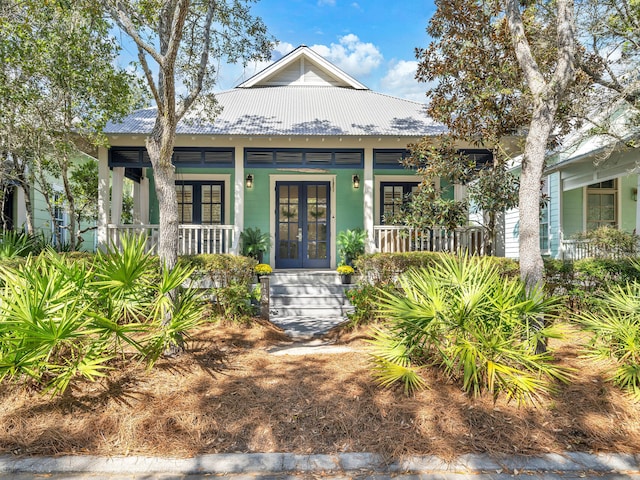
(345, 279)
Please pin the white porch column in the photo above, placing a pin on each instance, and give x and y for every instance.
(103, 196)
(144, 200)
(141, 201)
(136, 202)
(238, 197)
(116, 195)
(21, 209)
(368, 200)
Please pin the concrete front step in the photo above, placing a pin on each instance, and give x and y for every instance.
(306, 303)
(301, 277)
(306, 327)
(311, 312)
(309, 300)
(309, 289)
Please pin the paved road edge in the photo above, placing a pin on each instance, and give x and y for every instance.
(344, 462)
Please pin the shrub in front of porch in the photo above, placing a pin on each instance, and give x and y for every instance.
(230, 278)
(384, 268)
(581, 282)
(465, 317)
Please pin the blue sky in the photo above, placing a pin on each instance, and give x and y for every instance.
(372, 40)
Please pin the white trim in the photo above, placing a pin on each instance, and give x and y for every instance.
(313, 57)
(209, 177)
(103, 196)
(390, 178)
(117, 188)
(238, 191)
(273, 178)
(369, 200)
(602, 191)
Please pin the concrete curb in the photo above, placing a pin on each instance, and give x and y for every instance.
(345, 462)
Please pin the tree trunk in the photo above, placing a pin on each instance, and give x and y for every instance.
(531, 264)
(160, 148)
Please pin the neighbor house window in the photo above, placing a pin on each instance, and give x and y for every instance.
(544, 219)
(57, 228)
(200, 203)
(393, 195)
(602, 200)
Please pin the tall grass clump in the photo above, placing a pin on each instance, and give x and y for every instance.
(480, 328)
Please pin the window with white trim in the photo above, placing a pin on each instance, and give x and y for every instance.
(393, 195)
(200, 203)
(544, 219)
(601, 205)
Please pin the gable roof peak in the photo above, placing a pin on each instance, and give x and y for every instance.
(302, 67)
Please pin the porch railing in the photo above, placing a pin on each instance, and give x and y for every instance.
(393, 238)
(577, 249)
(193, 239)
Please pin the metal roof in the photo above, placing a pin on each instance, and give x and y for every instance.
(299, 110)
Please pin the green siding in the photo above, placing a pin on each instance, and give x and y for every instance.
(627, 220)
(572, 212)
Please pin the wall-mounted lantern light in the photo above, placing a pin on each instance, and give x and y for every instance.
(249, 181)
(356, 181)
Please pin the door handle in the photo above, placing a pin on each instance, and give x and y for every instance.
(299, 236)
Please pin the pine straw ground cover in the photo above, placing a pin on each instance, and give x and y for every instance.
(228, 394)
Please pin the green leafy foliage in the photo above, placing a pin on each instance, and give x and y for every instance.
(384, 268)
(64, 320)
(19, 244)
(463, 316)
(351, 245)
(222, 269)
(615, 326)
(364, 299)
(254, 243)
(233, 302)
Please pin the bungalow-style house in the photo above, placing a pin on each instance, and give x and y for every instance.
(14, 211)
(591, 181)
(301, 150)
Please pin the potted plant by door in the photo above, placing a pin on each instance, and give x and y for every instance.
(345, 272)
(254, 243)
(351, 245)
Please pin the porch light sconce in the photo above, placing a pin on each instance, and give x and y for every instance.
(356, 181)
(249, 181)
(634, 194)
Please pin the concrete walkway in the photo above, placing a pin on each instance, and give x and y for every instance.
(347, 465)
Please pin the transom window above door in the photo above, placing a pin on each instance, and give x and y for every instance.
(200, 203)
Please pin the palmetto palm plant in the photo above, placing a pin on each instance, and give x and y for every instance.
(61, 320)
(615, 326)
(462, 316)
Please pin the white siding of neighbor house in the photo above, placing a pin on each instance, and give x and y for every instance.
(555, 227)
(511, 219)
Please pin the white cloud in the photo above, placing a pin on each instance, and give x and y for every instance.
(352, 55)
(322, 3)
(400, 81)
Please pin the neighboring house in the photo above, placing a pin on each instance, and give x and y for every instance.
(15, 211)
(591, 182)
(301, 150)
